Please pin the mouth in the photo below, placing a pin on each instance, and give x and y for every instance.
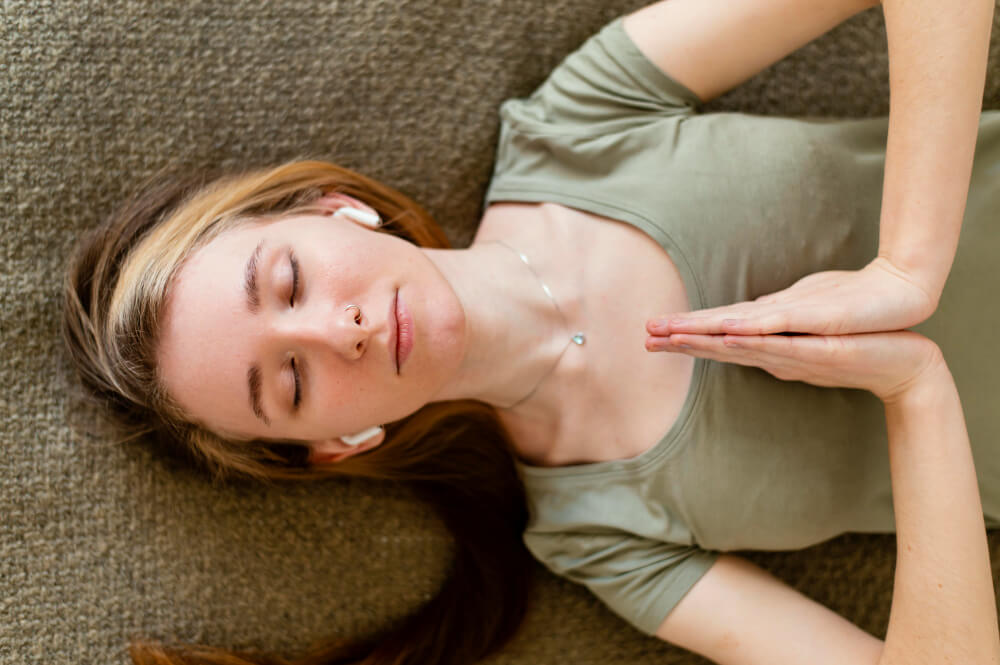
(404, 332)
(393, 341)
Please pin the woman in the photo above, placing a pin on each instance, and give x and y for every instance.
(304, 321)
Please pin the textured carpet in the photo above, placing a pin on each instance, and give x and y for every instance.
(97, 542)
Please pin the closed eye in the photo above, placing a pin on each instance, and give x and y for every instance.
(297, 399)
(298, 387)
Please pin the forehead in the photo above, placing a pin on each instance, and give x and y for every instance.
(207, 332)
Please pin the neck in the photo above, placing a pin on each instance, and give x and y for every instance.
(515, 336)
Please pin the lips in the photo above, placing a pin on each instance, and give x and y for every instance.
(404, 332)
(393, 341)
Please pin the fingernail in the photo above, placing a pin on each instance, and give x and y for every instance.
(733, 345)
(658, 324)
(679, 322)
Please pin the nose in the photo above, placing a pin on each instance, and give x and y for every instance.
(346, 331)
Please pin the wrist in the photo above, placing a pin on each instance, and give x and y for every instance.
(921, 274)
(925, 388)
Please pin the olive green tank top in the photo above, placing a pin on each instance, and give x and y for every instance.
(744, 205)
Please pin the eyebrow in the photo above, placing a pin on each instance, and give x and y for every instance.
(250, 279)
(254, 376)
(254, 381)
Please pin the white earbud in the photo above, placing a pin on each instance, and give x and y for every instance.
(363, 216)
(356, 439)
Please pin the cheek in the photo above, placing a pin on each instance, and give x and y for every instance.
(344, 270)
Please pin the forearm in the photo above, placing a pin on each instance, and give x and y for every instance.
(943, 608)
(937, 71)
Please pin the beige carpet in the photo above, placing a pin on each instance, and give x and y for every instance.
(98, 543)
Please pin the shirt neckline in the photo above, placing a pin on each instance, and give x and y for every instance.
(667, 443)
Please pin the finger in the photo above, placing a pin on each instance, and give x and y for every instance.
(776, 319)
(760, 320)
(819, 360)
(707, 350)
(769, 320)
(792, 349)
(703, 321)
(710, 347)
(771, 352)
(812, 320)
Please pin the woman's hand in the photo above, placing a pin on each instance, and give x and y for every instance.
(879, 297)
(886, 363)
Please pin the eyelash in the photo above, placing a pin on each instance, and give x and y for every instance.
(291, 301)
(298, 387)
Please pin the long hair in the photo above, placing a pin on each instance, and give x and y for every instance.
(454, 455)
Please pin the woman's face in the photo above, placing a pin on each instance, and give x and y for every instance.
(347, 369)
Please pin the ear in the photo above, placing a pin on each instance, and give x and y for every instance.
(334, 201)
(328, 451)
(351, 208)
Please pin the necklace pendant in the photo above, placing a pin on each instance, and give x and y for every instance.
(579, 339)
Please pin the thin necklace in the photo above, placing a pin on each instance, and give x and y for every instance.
(578, 338)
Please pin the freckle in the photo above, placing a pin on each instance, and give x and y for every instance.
(939, 585)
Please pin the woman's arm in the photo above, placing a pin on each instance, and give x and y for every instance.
(943, 607)
(937, 70)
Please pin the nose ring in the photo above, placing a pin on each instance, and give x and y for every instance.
(355, 306)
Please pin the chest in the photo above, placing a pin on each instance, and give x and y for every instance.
(618, 277)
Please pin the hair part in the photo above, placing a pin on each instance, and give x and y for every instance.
(456, 455)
